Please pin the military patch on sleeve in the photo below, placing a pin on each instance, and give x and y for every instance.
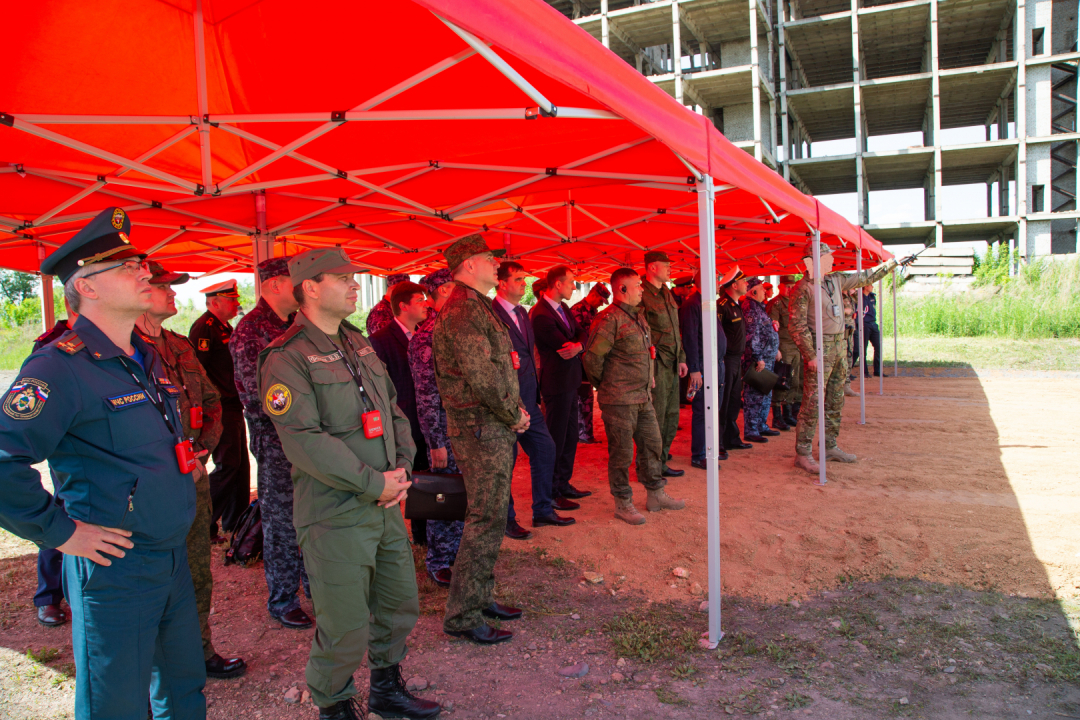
(26, 399)
(204, 344)
(278, 399)
(119, 402)
(366, 351)
(324, 358)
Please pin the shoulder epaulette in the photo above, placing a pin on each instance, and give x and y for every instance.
(70, 343)
(284, 337)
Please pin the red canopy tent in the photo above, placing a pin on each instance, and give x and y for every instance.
(390, 129)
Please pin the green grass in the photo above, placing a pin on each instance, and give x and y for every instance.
(647, 634)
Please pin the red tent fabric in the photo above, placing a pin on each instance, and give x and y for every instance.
(387, 128)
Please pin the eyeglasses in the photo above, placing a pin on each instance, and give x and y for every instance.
(128, 265)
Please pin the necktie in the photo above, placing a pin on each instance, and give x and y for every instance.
(519, 318)
(565, 319)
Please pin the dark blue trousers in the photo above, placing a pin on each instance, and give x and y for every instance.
(135, 632)
(697, 418)
(540, 448)
(50, 588)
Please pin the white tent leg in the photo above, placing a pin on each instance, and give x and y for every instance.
(262, 246)
(881, 323)
(862, 346)
(820, 358)
(895, 361)
(709, 330)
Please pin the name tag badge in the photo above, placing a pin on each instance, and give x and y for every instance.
(372, 421)
(516, 359)
(652, 351)
(836, 310)
(196, 417)
(120, 402)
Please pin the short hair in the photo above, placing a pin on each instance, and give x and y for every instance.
(619, 275)
(510, 266)
(556, 274)
(298, 290)
(71, 295)
(539, 286)
(404, 292)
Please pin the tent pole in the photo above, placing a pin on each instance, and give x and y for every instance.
(48, 317)
(262, 246)
(881, 324)
(711, 396)
(818, 341)
(895, 362)
(862, 344)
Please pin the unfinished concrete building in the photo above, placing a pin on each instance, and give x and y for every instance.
(781, 77)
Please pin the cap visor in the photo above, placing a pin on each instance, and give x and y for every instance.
(170, 278)
(345, 270)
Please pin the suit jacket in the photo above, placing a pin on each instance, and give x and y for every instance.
(556, 375)
(525, 346)
(392, 347)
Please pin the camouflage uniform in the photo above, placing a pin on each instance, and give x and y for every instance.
(779, 310)
(382, 314)
(443, 536)
(833, 350)
(849, 331)
(762, 342)
(185, 372)
(283, 565)
(662, 314)
(584, 314)
(617, 361)
(479, 388)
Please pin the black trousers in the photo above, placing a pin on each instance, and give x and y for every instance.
(871, 336)
(561, 416)
(230, 482)
(732, 404)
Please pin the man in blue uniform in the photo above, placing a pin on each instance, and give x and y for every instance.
(97, 405)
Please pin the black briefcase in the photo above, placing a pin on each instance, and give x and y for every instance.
(436, 496)
(761, 380)
(783, 375)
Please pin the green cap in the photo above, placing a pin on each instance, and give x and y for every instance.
(656, 256)
(808, 251)
(321, 260)
(465, 248)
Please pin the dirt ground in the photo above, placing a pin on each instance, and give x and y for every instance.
(937, 577)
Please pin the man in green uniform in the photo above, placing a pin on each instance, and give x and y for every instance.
(834, 353)
(200, 414)
(334, 408)
(786, 402)
(662, 314)
(618, 361)
(474, 369)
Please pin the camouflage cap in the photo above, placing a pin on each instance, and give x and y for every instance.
(308, 264)
(656, 256)
(161, 276)
(274, 267)
(753, 283)
(808, 251)
(392, 280)
(601, 290)
(466, 248)
(432, 281)
(789, 279)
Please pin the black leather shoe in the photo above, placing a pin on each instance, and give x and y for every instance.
(441, 577)
(350, 709)
(218, 540)
(588, 441)
(514, 531)
(738, 445)
(722, 454)
(484, 635)
(574, 494)
(671, 472)
(225, 668)
(702, 464)
(565, 504)
(553, 519)
(389, 698)
(51, 615)
(770, 433)
(295, 619)
(755, 438)
(502, 612)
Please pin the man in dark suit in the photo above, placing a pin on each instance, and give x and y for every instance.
(409, 303)
(559, 342)
(536, 441)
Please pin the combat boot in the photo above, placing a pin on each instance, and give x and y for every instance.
(835, 453)
(791, 416)
(849, 391)
(807, 463)
(659, 500)
(345, 710)
(625, 511)
(779, 422)
(389, 698)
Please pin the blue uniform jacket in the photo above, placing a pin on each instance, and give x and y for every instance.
(75, 405)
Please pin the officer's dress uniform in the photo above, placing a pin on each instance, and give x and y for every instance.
(734, 327)
(662, 314)
(90, 411)
(690, 324)
(230, 481)
(283, 565)
(363, 583)
(618, 362)
(479, 388)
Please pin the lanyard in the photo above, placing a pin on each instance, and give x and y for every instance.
(156, 400)
(173, 370)
(352, 371)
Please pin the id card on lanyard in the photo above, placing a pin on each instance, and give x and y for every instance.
(184, 447)
(371, 419)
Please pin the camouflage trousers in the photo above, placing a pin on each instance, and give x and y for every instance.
(585, 414)
(789, 351)
(849, 333)
(755, 405)
(627, 426)
(198, 553)
(836, 374)
(443, 536)
(485, 454)
(283, 564)
(666, 405)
